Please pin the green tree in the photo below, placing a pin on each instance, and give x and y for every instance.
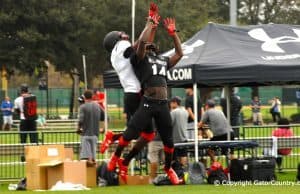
(33, 31)
(269, 11)
(61, 31)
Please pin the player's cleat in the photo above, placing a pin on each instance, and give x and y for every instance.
(107, 141)
(173, 176)
(112, 164)
(123, 170)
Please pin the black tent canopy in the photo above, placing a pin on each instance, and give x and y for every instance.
(221, 55)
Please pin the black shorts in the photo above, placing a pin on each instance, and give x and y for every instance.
(153, 109)
(28, 127)
(131, 104)
(223, 137)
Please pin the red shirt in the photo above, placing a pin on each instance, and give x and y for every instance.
(99, 98)
(282, 132)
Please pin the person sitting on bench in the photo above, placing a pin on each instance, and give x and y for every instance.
(218, 124)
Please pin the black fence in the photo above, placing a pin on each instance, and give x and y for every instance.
(263, 135)
(12, 152)
(12, 156)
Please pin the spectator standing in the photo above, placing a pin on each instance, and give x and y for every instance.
(26, 106)
(179, 116)
(235, 108)
(283, 130)
(189, 105)
(256, 114)
(275, 108)
(88, 127)
(7, 110)
(155, 155)
(99, 98)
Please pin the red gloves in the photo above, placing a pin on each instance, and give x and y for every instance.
(153, 10)
(153, 14)
(169, 24)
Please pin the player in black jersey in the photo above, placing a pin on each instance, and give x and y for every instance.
(117, 43)
(151, 70)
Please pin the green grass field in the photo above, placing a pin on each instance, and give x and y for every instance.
(190, 189)
(117, 121)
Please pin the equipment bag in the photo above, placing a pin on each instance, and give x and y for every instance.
(253, 169)
(105, 177)
(217, 176)
(196, 173)
(164, 179)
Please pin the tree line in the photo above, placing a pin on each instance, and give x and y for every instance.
(61, 31)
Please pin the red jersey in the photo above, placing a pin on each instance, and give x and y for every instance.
(99, 98)
(282, 132)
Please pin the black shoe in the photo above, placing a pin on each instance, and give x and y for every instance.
(22, 158)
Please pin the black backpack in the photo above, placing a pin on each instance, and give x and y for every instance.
(30, 107)
(105, 177)
(164, 179)
(217, 176)
(21, 186)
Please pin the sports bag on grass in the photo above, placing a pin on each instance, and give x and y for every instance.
(105, 177)
(196, 173)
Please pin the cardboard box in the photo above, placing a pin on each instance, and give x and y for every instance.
(69, 154)
(75, 172)
(91, 176)
(136, 180)
(36, 176)
(36, 157)
(68, 171)
(47, 164)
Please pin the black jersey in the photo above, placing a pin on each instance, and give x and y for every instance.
(152, 70)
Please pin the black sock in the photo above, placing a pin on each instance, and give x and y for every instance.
(119, 150)
(116, 136)
(168, 160)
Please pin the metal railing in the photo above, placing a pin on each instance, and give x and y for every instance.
(263, 135)
(12, 156)
(12, 152)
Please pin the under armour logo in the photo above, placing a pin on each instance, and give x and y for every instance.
(271, 44)
(146, 105)
(187, 49)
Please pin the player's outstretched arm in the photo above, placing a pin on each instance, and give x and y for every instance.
(169, 24)
(153, 14)
(153, 17)
(144, 37)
